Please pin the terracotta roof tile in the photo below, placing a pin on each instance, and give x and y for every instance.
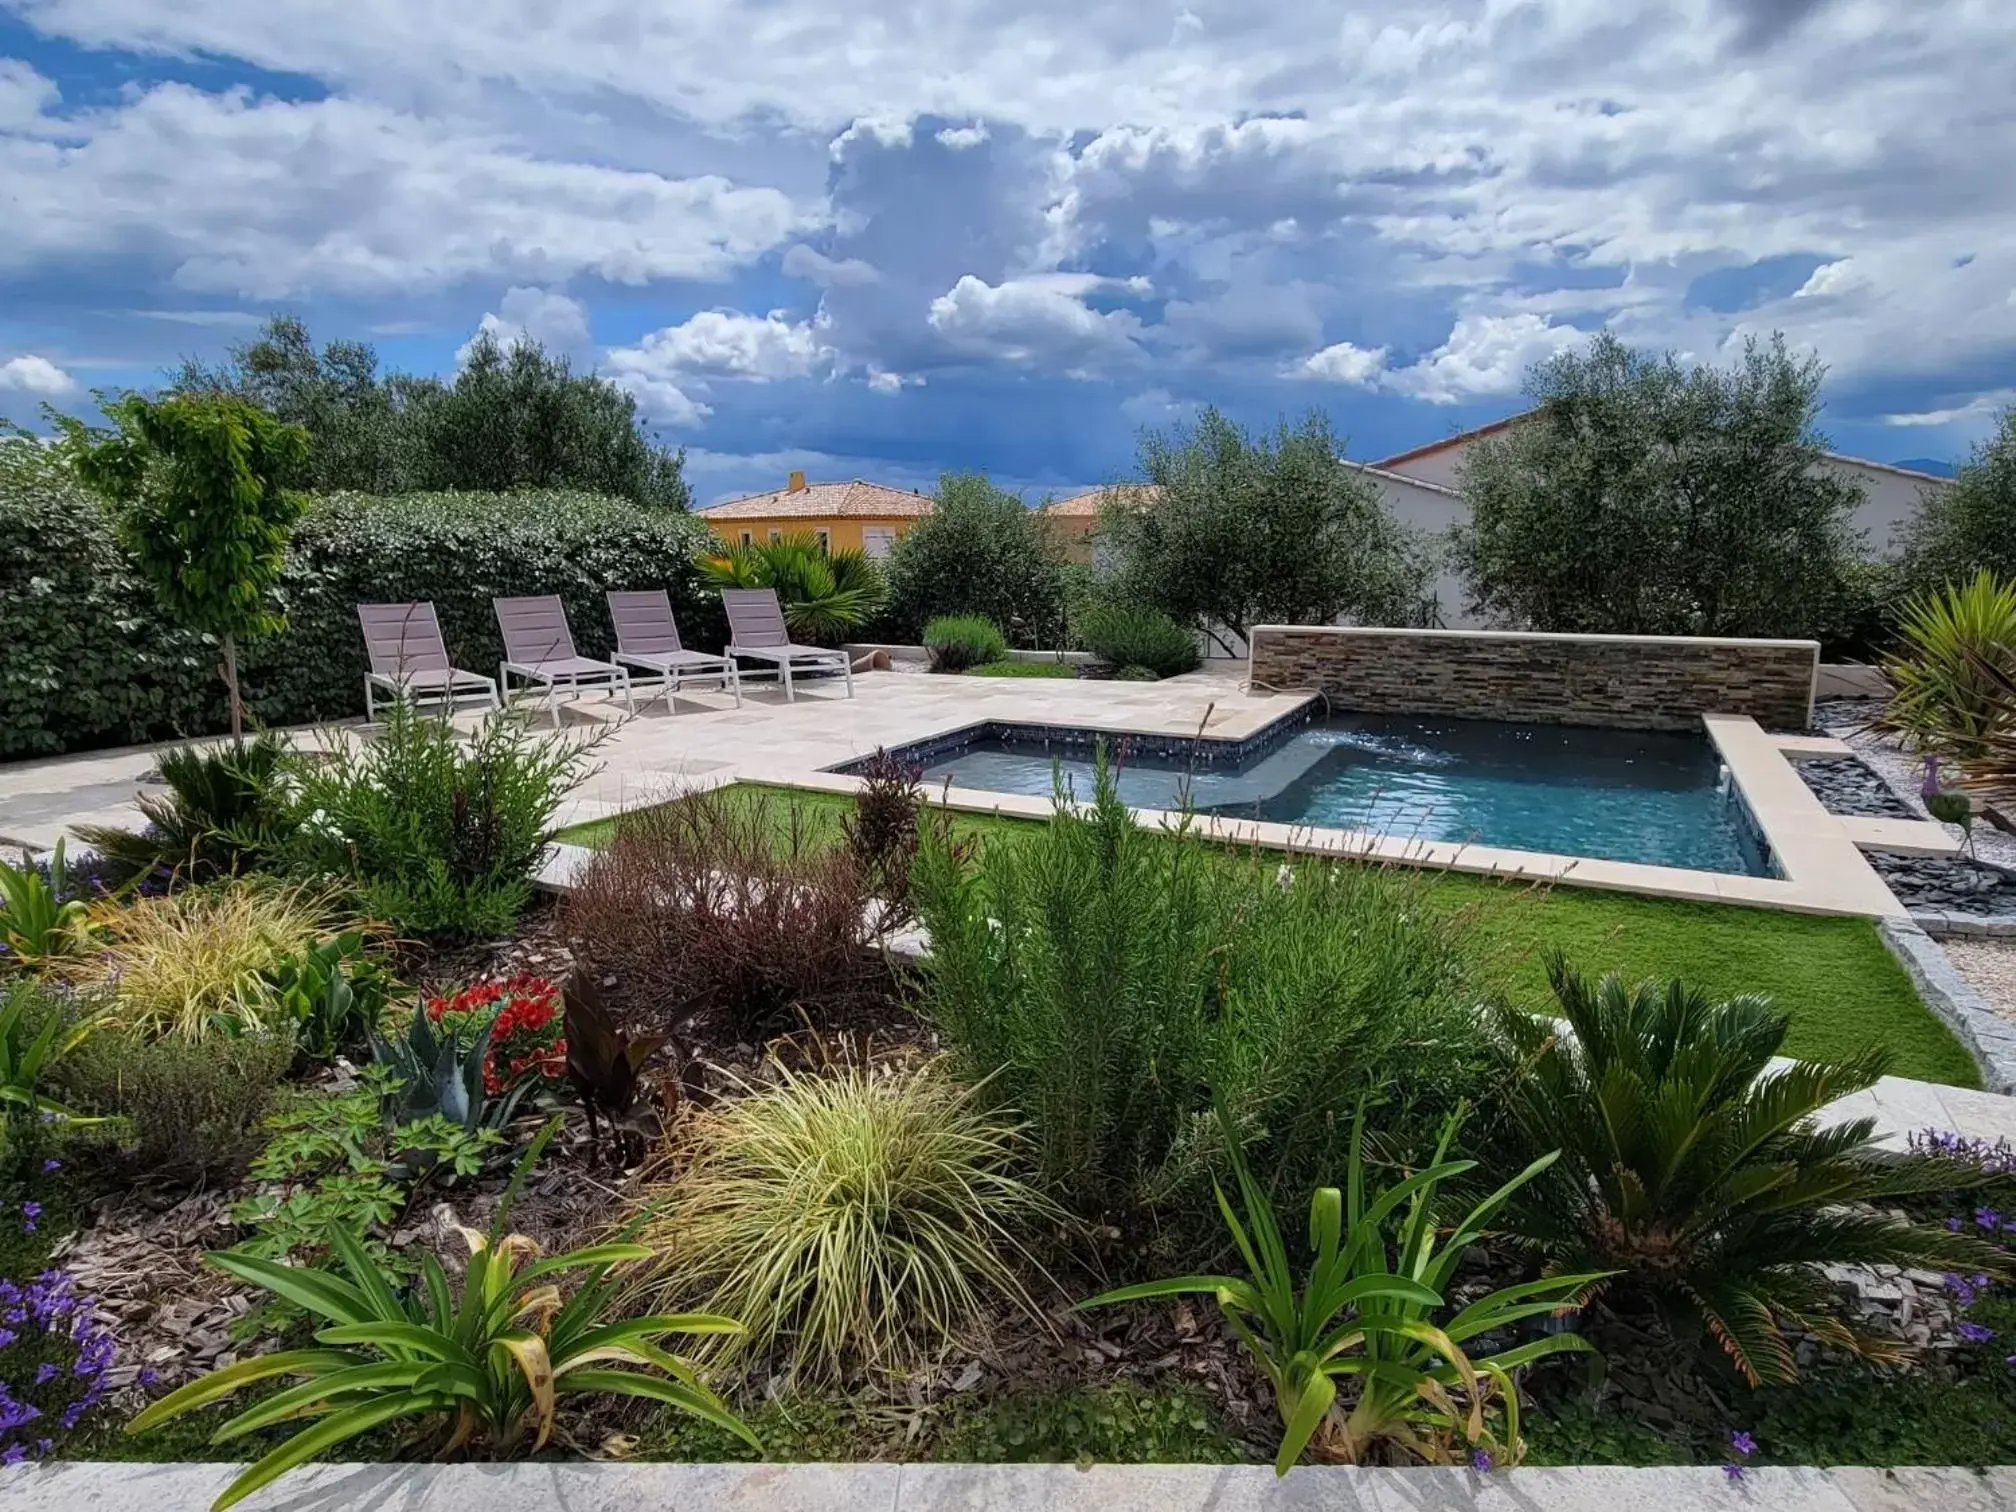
(852, 500)
(1089, 502)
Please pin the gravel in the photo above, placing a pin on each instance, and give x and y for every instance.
(1989, 965)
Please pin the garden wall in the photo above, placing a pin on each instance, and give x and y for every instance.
(1637, 682)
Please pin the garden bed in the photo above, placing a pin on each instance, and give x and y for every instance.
(902, 1184)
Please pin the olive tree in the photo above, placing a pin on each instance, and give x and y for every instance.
(200, 484)
(1641, 497)
(1229, 530)
(1969, 526)
(980, 551)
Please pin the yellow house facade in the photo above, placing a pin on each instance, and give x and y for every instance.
(865, 517)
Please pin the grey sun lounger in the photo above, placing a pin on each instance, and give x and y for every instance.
(756, 630)
(647, 637)
(539, 649)
(409, 660)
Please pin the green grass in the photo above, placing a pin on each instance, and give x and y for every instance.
(1023, 669)
(1842, 988)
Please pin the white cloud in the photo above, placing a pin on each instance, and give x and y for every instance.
(1042, 317)
(882, 382)
(727, 344)
(268, 198)
(1341, 362)
(1832, 279)
(545, 316)
(31, 374)
(1485, 355)
(1976, 411)
(959, 138)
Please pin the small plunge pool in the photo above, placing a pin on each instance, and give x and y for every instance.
(1623, 795)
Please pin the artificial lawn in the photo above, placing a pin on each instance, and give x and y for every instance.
(1842, 988)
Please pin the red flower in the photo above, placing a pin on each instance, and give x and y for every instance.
(524, 1014)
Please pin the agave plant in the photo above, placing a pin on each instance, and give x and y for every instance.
(823, 594)
(1953, 644)
(1701, 1175)
(435, 1074)
(37, 920)
(486, 1368)
(1367, 1310)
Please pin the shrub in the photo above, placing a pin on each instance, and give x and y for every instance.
(1109, 979)
(198, 963)
(979, 552)
(847, 1219)
(723, 903)
(55, 1364)
(1968, 526)
(91, 662)
(1136, 674)
(192, 1108)
(435, 834)
(487, 1368)
(526, 1043)
(333, 993)
(883, 831)
(961, 641)
(222, 814)
(1951, 643)
(1699, 1174)
(1138, 638)
(1412, 1371)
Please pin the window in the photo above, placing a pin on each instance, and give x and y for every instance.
(825, 540)
(878, 540)
(748, 538)
(776, 535)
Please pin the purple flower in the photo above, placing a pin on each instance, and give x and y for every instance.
(1963, 1290)
(1974, 1333)
(1480, 1461)
(30, 1211)
(1952, 1225)
(1742, 1443)
(13, 1454)
(51, 1165)
(1986, 1217)
(1734, 1472)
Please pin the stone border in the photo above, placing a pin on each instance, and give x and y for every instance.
(1947, 926)
(1989, 1038)
(108, 1487)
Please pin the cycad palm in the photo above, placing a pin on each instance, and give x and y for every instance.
(1696, 1168)
(823, 594)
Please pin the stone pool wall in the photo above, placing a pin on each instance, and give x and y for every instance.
(1636, 682)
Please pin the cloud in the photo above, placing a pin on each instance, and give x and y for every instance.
(544, 316)
(959, 138)
(31, 374)
(728, 344)
(803, 262)
(1341, 362)
(1484, 356)
(1042, 318)
(268, 199)
(1979, 409)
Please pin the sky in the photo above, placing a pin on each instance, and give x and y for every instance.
(879, 239)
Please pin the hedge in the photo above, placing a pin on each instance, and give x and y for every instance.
(86, 661)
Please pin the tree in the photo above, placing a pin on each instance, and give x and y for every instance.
(514, 416)
(1643, 498)
(201, 486)
(1969, 526)
(980, 551)
(1234, 530)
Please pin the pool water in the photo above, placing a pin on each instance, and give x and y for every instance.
(1624, 795)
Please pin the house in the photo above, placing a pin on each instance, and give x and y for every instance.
(868, 517)
(1421, 488)
(1069, 523)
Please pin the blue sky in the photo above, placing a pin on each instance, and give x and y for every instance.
(883, 239)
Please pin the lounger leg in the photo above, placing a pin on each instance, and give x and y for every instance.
(553, 700)
(370, 713)
(847, 666)
(790, 693)
(629, 696)
(735, 681)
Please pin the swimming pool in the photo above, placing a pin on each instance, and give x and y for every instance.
(1623, 795)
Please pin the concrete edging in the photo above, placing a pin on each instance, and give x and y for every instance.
(1948, 926)
(1990, 1039)
(590, 1486)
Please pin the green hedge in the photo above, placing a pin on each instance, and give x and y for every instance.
(85, 660)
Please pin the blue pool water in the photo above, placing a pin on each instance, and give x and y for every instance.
(1624, 795)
